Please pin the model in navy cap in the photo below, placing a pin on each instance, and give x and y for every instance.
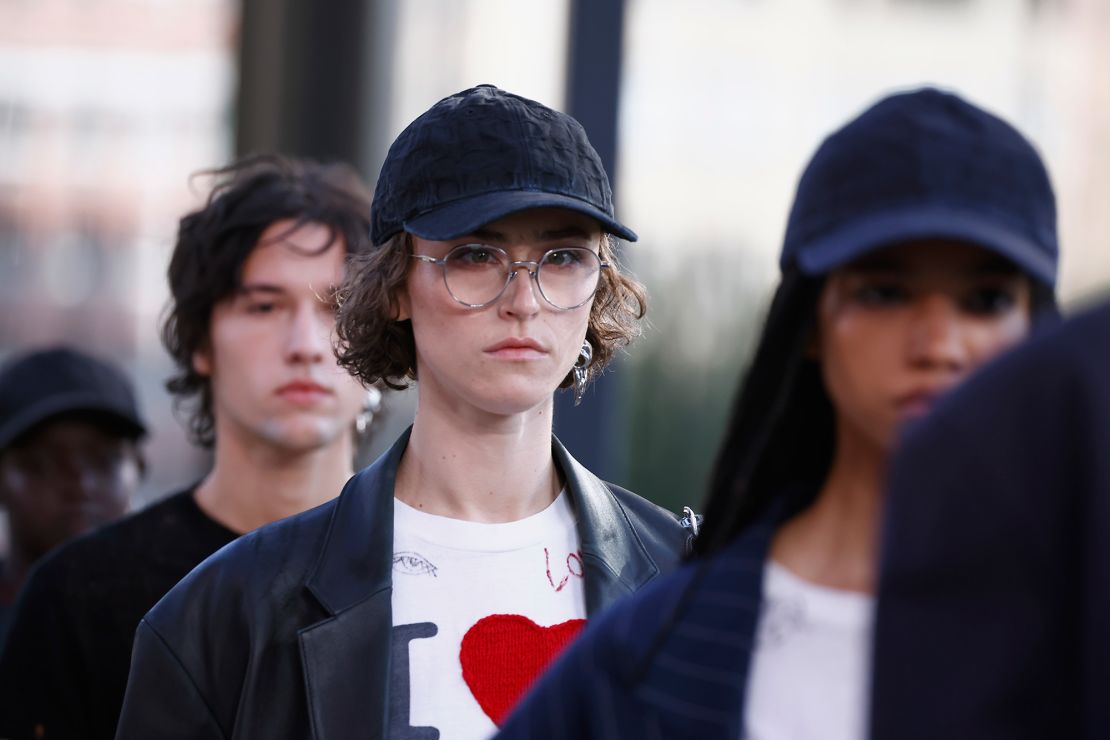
(921, 243)
(69, 455)
(427, 597)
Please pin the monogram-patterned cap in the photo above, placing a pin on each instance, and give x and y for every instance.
(481, 155)
(924, 164)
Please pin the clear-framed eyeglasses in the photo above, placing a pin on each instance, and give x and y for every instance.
(476, 275)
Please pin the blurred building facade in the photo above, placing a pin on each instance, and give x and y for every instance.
(107, 106)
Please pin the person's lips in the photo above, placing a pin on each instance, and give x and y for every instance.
(919, 402)
(304, 392)
(517, 348)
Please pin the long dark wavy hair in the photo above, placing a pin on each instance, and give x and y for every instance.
(780, 437)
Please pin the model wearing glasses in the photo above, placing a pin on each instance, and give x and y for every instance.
(427, 597)
(921, 244)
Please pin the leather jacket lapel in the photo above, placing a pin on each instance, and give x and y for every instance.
(356, 559)
(616, 561)
(346, 671)
(346, 657)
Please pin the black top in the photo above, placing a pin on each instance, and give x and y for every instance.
(65, 663)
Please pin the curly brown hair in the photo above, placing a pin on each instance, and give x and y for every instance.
(214, 242)
(374, 346)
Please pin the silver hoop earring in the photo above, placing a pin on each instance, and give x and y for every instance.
(582, 371)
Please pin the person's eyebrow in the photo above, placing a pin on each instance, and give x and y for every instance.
(252, 289)
(488, 235)
(568, 232)
(995, 265)
(549, 235)
(874, 263)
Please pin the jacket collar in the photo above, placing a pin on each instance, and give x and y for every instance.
(617, 563)
(356, 560)
(346, 657)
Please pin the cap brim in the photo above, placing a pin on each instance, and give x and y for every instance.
(467, 215)
(889, 227)
(16, 426)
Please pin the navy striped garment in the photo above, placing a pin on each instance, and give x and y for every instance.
(670, 661)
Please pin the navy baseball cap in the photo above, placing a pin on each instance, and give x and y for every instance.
(481, 155)
(40, 385)
(924, 165)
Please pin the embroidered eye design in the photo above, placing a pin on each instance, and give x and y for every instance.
(413, 564)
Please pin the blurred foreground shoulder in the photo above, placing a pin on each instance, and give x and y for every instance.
(995, 564)
(592, 689)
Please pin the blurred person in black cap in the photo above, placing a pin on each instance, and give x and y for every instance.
(994, 576)
(69, 454)
(920, 245)
(250, 326)
(426, 598)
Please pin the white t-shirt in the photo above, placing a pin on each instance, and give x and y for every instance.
(478, 611)
(809, 675)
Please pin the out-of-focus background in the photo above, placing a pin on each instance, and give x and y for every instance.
(704, 110)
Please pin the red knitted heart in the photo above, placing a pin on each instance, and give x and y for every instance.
(502, 655)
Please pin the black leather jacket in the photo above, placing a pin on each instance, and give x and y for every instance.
(285, 633)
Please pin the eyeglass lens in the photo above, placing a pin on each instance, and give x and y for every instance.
(477, 274)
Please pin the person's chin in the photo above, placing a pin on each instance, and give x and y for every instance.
(305, 433)
(510, 401)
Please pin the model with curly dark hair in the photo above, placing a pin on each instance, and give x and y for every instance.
(214, 242)
(250, 327)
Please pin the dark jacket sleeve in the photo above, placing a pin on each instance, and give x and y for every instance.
(995, 567)
(162, 698)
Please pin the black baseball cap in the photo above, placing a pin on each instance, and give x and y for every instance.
(922, 165)
(37, 386)
(481, 155)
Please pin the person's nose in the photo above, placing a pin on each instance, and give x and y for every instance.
(937, 337)
(309, 337)
(521, 299)
(77, 478)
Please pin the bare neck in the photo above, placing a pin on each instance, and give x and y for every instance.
(834, 542)
(253, 485)
(479, 468)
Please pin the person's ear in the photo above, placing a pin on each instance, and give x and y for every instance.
(140, 460)
(402, 304)
(202, 361)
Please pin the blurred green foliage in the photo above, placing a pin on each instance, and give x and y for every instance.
(704, 315)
